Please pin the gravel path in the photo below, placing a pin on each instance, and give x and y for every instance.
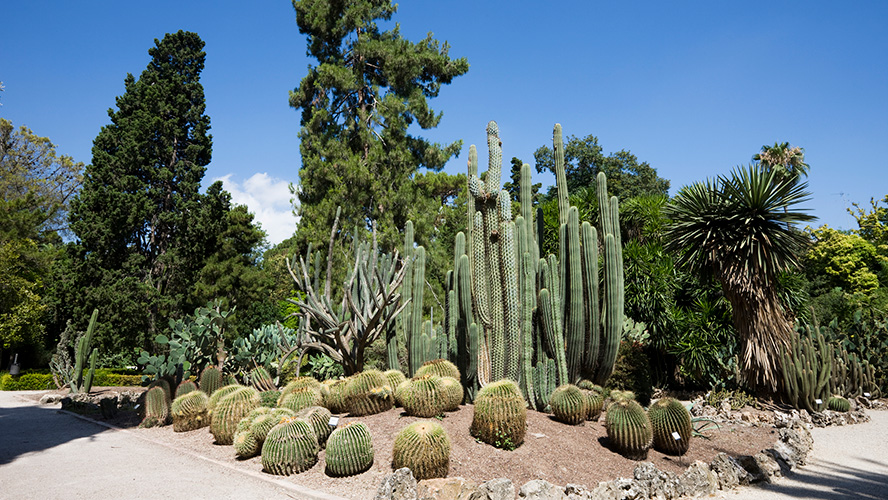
(847, 462)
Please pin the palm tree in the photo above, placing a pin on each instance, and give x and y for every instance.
(785, 160)
(738, 229)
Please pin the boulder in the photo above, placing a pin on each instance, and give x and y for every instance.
(495, 489)
(729, 472)
(697, 480)
(540, 490)
(400, 485)
(449, 488)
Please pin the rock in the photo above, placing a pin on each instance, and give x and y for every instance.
(655, 483)
(400, 485)
(50, 399)
(540, 490)
(576, 492)
(768, 467)
(697, 480)
(729, 472)
(794, 445)
(725, 407)
(495, 489)
(450, 488)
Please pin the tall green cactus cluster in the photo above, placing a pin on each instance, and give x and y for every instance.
(78, 382)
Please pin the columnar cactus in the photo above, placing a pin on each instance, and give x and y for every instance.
(157, 408)
(629, 429)
(291, 447)
(500, 417)
(210, 380)
(569, 404)
(424, 396)
(424, 448)
(319, 418)
(671, 423)
(189, 411)
(229, 411)
(349, 450)
(367, 393)
(185, 387)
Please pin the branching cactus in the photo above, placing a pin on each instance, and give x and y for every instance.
(157, 408)
(806, 368)
(229, 411)
(500, 417)
(424, 448)
(319, 418)
(291, 447)
(349, 450)
(569, 404)
(210, 380)
(671, 423)
(189, 411)
(368, 393)
(629, 429)
(424, 396)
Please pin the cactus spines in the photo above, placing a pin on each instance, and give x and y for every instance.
(424, 448)
(229, 411)
(300, 398)
(424, 396)
(334, 396)
(185, 387)
(210, 380)
(629, 429)
(220, 393)
(300, 382)
(569, 404)
(157, 408)
(349, 450)
(368, 393)
(500, 416)
(415, 355)
(291, 447)
(453, 392)
(439, 367)
(262, 380)
(838, 403)
(669, 418)
(319, 418)
(189, 411)
(394, 378)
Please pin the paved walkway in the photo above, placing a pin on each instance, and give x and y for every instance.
(47, 454)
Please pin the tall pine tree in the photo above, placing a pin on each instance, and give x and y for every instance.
(368, 87)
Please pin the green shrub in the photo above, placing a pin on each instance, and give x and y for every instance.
(27, 381)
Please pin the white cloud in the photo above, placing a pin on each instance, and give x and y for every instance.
(268, 199)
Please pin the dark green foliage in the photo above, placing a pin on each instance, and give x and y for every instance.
(229, 411)
(185, 387)
(500, 417)
(210, 380)
(424, 396)
(189, 411)
(629, 429)
(291, 447)
(157, 408)
(349, 450)
(424, 448)
(319, 418)
(26, 381)
(270, 398)
(633, 372)
(569, 404)
(669, 416)
(439, 367)
(368, 393)
(838, 403)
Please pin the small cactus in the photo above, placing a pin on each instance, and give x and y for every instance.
(185, 387)
(349, 450)
(424, 448)
(628, 428)
(439, 367)
(210, 380)
(189, 411)
(596, 403)
(838, 403)
(300, 398)
(569, 404)
(368, 393)
(319, 418)
(424, 396)
(290, 447)
(165, 385)
(500, 417)
(229, 411)
(669, 419)
(157, 408)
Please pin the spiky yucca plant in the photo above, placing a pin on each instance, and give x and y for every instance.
(424, 448)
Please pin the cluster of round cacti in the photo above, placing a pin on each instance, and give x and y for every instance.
(368, 393)
(424, 448)
(253, 429)
(500, 417)
(628, 428)
(290, 447)
(319, 418)
(230, 409)
(569, 404)
(189, 411)
(671, 423)
(838, 403)
(349, 450)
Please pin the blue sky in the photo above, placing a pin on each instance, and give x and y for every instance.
(693, 88)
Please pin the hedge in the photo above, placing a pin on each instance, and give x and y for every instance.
(39, 380)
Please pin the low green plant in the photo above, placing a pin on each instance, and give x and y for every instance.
(26, 381)
(737, 398)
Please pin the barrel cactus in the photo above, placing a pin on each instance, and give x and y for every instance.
(164, 384)
(424, 396)
(401, 391)
(368, 393)
(229, 411)
(617, 395)
(291, 447)
(349, 450)
(424, 448)
(394, 377)
(210, 380)
(189, 411)
(596, 403)
(671, 423)
(157, 408)
(300, 398)
(838, 403)
(220, 393)
(628, 428)
(454, 392)
(319, 418)
(439, 367)
(333, 392)
(500, 417)
(569, 404)
(185, 387)
(300, 382)
(245, 443)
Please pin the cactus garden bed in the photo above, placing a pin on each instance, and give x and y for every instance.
(553, 451)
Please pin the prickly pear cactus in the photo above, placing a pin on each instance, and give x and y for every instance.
(291, 447)
(210, 380)
(838, 403)
(157, 408)
(500, 417)
(439, 367)
(349, 450)
(569, 404)
(424, 396)
(189, 411)
(424, 448)
(368, 393)
(319, 418)
(629, 429)
(229, 411)
(671, 423)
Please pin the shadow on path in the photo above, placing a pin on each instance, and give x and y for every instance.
(833, 481)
